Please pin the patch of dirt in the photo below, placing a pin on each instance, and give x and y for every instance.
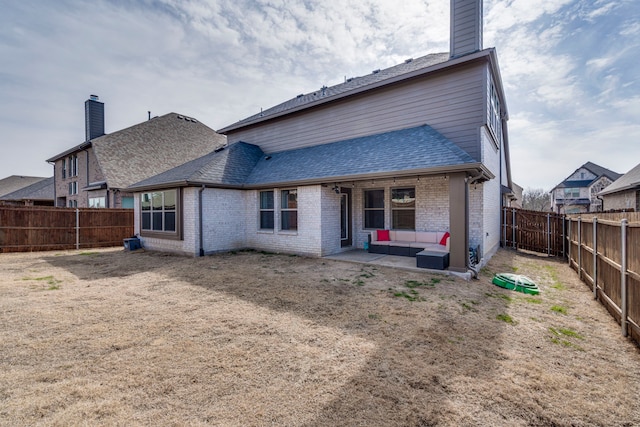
(118, 338)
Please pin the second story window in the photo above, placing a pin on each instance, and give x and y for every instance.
(72, 166)
(571, 193)
(64, 168)
(495, 122)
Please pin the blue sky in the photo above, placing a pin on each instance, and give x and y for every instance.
(570, 68)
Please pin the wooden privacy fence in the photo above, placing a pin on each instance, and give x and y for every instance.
(606, 255)
(533, 231)
(25, 229)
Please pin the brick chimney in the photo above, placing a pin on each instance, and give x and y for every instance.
(93, 118)
(466, 27)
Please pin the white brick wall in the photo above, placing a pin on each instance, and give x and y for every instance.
(223, 224)
(491, 197)
(306, 240)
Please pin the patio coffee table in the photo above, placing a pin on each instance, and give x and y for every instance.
(432, 259)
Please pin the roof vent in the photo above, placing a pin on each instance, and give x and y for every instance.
(300, 96)
(375, 71)
(219, 149)
(267, 157)
(180, 117)
(349, 79)
(406, 61)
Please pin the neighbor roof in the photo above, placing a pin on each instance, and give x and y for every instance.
(16, 182)
(40, 190)
(418, 150)
(628, 181)
(152, 147)
(597, 170)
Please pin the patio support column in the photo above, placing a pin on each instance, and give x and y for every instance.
(458, 222)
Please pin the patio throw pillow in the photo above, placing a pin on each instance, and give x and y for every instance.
(443, 241)
(383, 235)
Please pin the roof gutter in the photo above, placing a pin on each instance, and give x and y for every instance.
(200, 191)
(476, 171)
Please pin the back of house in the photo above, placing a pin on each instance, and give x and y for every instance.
(419, 146)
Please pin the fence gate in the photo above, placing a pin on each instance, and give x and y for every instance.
(535, 231)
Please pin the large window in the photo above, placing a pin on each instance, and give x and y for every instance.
(64, 168)
(374, 209)
(97, 202)
(289, 210)
(571, 193)
(159, 211)
(403, 208)
(266, 210)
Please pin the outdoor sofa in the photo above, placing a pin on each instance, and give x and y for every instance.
(408, 243)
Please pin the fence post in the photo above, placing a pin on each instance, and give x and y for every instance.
(564, 236)
(595, 257)
(77, 228)
(580, 247)
(623, 277)
(548, 234)
(513, 229)
(504, 227)
(569, 242)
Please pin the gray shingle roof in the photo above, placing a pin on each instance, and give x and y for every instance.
(352, 84)
(628, 181)
(40, 190)
(408, 151)
(597, 170)
(230, 166)
(152, 147)
(415, 149)
(15, 182)
(600, 171)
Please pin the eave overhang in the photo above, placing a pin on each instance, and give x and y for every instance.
(476, 172)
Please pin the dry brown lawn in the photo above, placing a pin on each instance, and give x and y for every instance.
(109, 337)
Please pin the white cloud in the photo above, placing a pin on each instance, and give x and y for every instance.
(221, 61)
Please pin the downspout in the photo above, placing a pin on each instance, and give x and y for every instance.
(200, 191)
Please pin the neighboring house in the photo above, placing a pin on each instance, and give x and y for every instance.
(578, 192)
(94, 173)
(623, 193)
(40, 193)
(16, 182)
(419, 146)
(515, 195)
